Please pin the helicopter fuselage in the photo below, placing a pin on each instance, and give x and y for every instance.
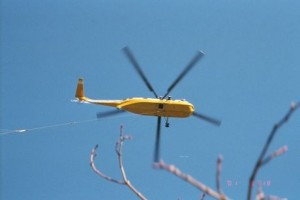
(149, 106)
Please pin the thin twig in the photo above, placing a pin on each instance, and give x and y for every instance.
(218, 175)
(261, 196)
(205, 189)
(125, 181)
(275, 154)
(98, 172)
(271, 197)
(202, 196)
(261, 159)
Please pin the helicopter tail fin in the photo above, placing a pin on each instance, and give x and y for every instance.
(80, 90)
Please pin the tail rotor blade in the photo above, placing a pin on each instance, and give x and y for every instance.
(139, 70)
(207, 119)
(193, 62)
(109, 113)
(157, 141)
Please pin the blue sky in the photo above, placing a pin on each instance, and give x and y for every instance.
(248, 77)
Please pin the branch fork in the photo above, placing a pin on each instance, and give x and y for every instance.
(118, 149)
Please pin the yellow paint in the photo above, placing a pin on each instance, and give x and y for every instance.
(142, 106)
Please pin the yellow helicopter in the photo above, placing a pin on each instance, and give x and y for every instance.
(160, 106)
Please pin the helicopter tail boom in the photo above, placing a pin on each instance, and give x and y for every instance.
(81, 98)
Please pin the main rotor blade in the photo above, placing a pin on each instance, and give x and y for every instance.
(185, 71)
(208, 119)
(109, 113)
(138, 69)
(157, 141)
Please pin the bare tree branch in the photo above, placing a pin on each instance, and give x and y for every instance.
(275, 154)
(261, 196)
(98, 172)
(205, 189)
(125, 181)
(261, 161)
(271, 197)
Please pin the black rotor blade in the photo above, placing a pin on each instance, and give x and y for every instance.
(185, 71)
(157, 141)
(109, 113)
(208, 119)
(138, 69)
